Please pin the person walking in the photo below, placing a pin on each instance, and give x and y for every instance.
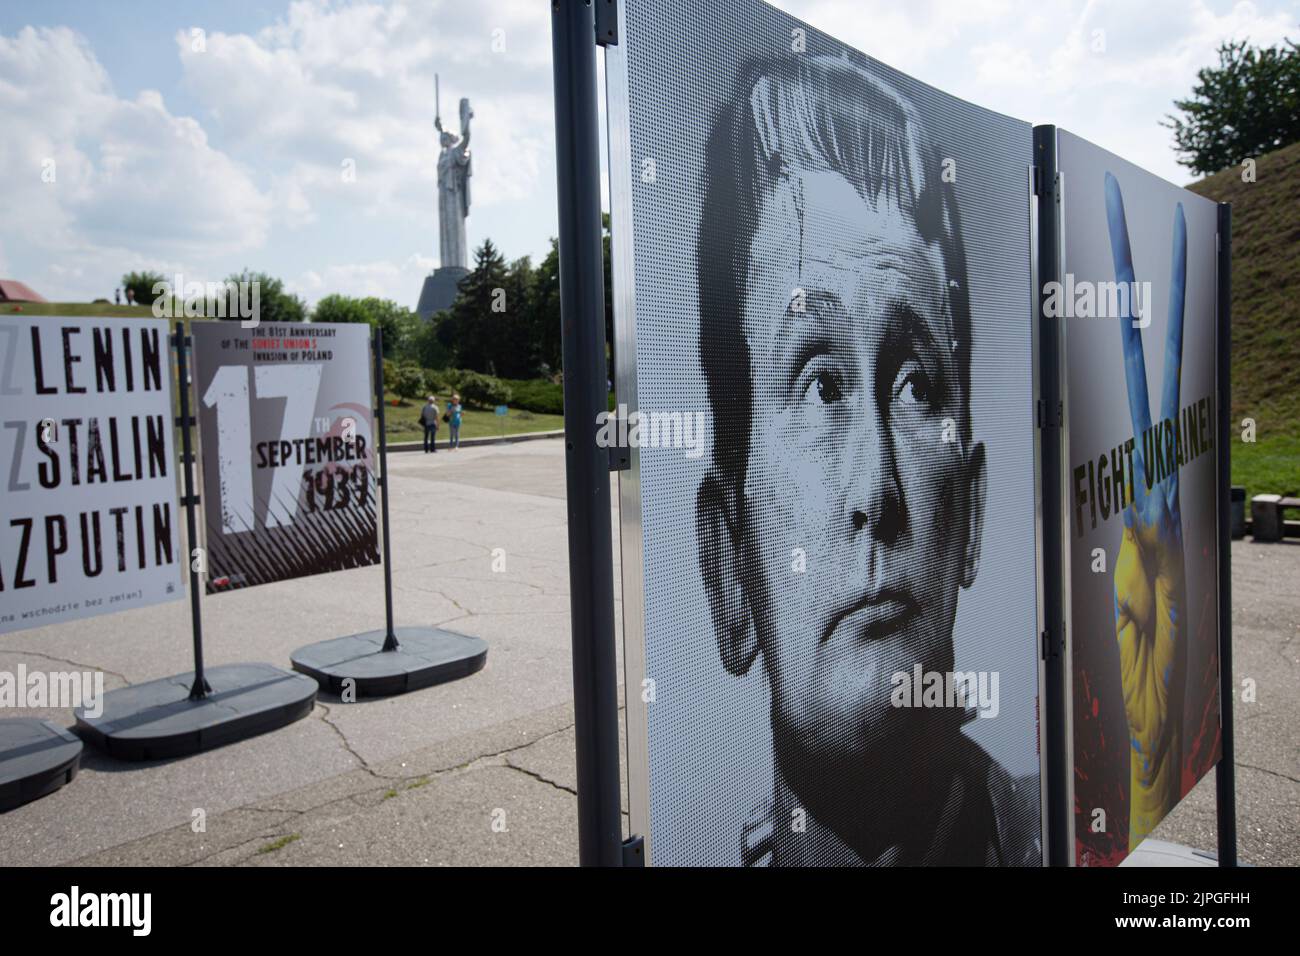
(429, 419)
(117, 296)
(452, 418)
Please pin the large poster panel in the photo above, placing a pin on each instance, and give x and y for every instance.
(285, 419)
(1137, 299)
(824, 265)
(89, 515)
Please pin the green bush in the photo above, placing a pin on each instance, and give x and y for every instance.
(274, 304)
(538, 395)
(483, 390)
(142, 285)
(405, 380)
(442, 381)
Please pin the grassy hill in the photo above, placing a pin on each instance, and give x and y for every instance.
(1265, 317)
(75, 308)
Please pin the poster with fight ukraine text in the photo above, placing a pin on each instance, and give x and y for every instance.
(285, 424)
(1138, 305)
(834, 435)
(89, 521)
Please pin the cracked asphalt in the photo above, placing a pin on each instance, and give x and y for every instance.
(479, 771)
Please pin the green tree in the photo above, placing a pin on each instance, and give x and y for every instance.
(141, 284)
(393, 319)
(514, 352)
(405, 380)
(422, 346)
(545, 319)
(483, 390)
(274, 304)
(468, 328)
(1247, 106)
(339, 308)
(544, 310)
(397, 322)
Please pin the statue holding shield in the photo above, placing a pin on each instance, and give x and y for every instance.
(453, 189)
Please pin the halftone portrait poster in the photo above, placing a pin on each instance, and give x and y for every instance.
(285, 421)
(1138, 302)
(822, 284)
(89, 513)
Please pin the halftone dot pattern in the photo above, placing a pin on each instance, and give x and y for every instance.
(710, 728)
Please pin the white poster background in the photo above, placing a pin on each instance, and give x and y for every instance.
(119, 582)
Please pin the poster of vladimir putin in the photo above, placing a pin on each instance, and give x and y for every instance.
(836, 657)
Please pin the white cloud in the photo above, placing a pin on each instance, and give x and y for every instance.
(331, 83)
(1035, 59)
(103, 184)
(256, 176)
(320, 125)
(362, 279)
(904, 35)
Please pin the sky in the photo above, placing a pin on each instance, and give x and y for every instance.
(296, 137)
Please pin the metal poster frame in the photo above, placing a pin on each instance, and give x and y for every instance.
(1225, 771)
(1056, 717)
(623, 271)
(576, 29)
(1040, 569)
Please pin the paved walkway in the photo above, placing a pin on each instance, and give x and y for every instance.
(479, 771)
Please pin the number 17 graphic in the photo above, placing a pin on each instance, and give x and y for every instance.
(298, 385)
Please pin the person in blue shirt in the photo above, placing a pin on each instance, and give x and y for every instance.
(452, 417)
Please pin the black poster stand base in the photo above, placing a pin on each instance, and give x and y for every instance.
(424, 656)
(159, 719)
(210, 706)
(393, 660)
(36, 758)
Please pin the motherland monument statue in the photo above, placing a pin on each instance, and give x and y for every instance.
(454, 170)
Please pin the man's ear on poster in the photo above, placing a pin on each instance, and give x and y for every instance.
(721, 565)
(976, 485)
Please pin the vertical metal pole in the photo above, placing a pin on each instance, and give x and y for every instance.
(390, 638)
(199, 689)
(1055, 693)
(1225, 776)
(582, 309)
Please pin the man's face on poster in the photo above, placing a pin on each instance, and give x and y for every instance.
(858, 463)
